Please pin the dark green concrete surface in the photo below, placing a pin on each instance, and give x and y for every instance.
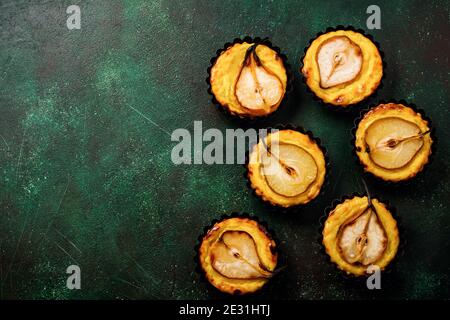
(86, 176)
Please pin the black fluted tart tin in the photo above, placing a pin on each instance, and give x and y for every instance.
(379, 180)
(351, 107)
(391, 267)
(247, 119)
(270, 233)
(296, 208)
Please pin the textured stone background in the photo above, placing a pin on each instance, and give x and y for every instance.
(86, 177)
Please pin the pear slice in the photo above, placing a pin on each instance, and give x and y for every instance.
(257, 88)
(362, 240)
(393, 142)
(289, 170)
(339, 60)
(234, 256)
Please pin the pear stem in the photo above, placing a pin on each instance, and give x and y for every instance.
(290, 171)
(250, 58)
(369, 197)
(278, 270)
(251, 52)
(392, 143)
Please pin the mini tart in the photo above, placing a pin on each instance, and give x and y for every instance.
(393, 142)
(342, 67)
(249, 80)
(342, 235)
(297, 178)
(238, 237)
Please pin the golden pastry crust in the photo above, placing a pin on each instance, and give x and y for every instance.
(352, 92)
(265, 246)
(258, 181)
(226, 70)
(393, 110)
(340, 214)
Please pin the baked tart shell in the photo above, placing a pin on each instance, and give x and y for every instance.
(221, 95)
(344, 95)
(405, 111)
(256, 180)
(265, 243)
(334, 217)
